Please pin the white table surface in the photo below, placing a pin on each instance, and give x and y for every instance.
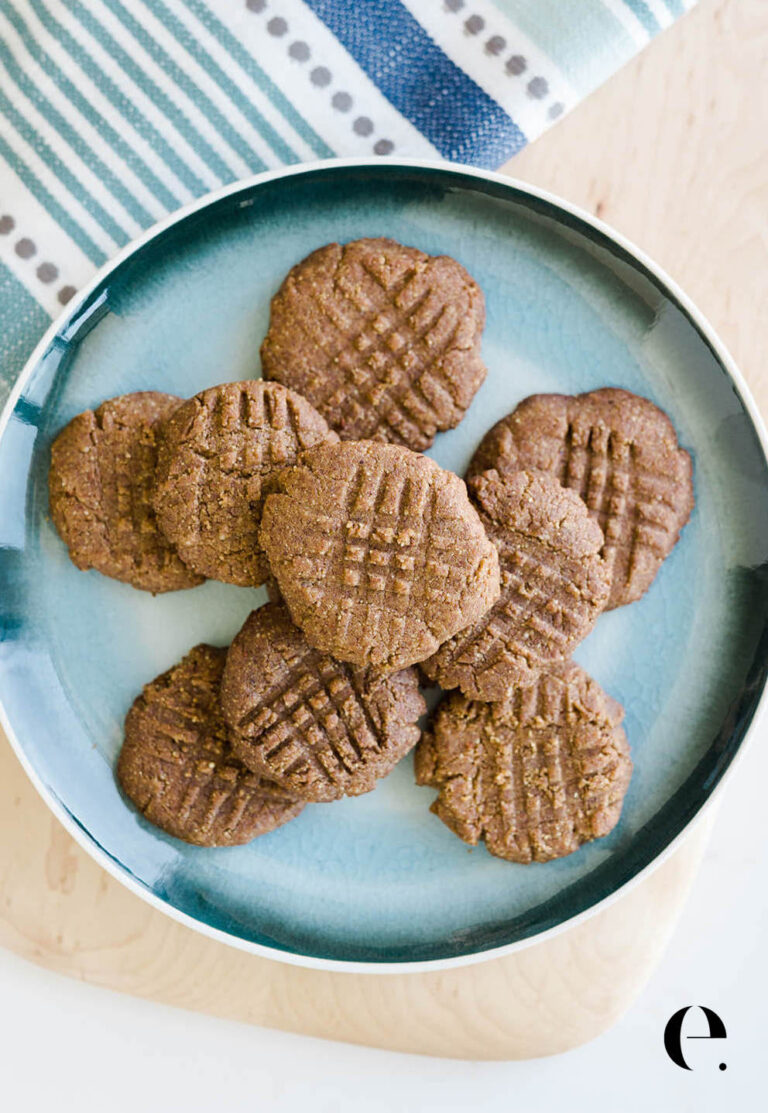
(68, 1046)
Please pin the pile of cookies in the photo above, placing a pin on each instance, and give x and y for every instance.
(382, 567)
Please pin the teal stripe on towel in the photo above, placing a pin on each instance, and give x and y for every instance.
(70, 182)
(221, 125)
(65, 221)
(124, 105)
(105, 130)
(161, 101)
(249, 65)
(645, 15)
(189, 42)
(75, 141)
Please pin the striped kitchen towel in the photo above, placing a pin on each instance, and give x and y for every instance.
(113, 113)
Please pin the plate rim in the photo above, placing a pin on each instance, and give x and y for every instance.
(120, 872)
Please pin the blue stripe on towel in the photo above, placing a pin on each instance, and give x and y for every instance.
(422, 82)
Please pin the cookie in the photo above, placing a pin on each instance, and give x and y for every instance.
(620, 453)
(100, 486)
(383, 339)
(377, 552)
(216, 458)
(535, 776)
(321, 728)
(554, 584)
(178, 768)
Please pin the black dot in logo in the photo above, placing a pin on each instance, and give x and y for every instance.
(454, 5)
(474, 24)
(7, 224)
(277, 26)
(66, 293)
(383, 147)
(362, 126)
(256, 5)
(723, 1066)
(495, 44)
(320, 76)
(341, 101)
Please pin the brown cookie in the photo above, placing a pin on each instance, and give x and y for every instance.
(216, 457)
(619, 452)
(177, 766)
(554, 584)
(377, 552)
(100, 486)
(383, 339)
(321, 728)
(536, 776)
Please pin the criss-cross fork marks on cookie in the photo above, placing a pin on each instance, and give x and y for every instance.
(315, 720)
(393, 552)
(395, 336)
(216, 455)
(318, 726)
(540, 610)
(250, 429)
(177, 763)
(619, 452)
(553, 586)
(100, 484)
(534, 777)
(548, 793)
(390, 537)
(633, 503)
(389, 373)
(201, 783)
(378, 552)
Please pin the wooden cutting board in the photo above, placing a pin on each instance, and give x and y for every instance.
(673, 153)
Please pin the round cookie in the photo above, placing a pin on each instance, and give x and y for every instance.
(177, 766)
(377, 552)
(554, 584)
(216, 457)
(383, 339)
(321, 728)
(536, 776)
(620, 453)
(100, 487)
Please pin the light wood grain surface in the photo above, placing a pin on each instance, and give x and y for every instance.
(673, 151)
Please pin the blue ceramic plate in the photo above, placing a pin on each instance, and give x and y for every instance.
(378, 880)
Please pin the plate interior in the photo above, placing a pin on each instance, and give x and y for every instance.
(378, 878)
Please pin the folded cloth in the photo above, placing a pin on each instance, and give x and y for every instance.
(114, 113)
